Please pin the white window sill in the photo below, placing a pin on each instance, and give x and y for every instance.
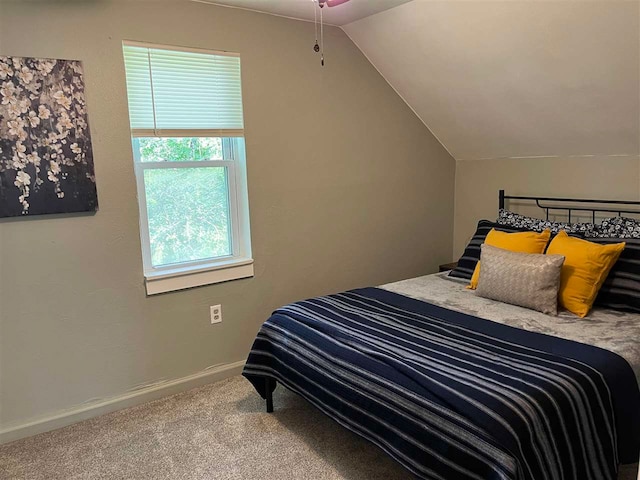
(189, 277)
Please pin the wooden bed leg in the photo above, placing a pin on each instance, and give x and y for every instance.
(269, 384)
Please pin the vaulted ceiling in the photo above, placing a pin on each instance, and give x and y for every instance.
(514, 78)
(496, 79)
(304, 9)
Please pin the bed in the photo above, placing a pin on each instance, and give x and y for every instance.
(453, 385)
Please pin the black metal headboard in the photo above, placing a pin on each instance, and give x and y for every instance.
(567, 205)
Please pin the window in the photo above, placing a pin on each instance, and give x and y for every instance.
(185, 112)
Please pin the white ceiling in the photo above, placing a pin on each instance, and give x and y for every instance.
(303, 9)
(514, 78)
(509, 78)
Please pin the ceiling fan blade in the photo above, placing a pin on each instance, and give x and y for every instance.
(335, 3)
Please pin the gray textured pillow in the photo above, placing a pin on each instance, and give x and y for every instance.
(529, 280)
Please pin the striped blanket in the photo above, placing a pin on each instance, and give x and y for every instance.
(452, 396)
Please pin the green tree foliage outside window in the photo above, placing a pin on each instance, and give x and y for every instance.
(187, 208)
(181, 149)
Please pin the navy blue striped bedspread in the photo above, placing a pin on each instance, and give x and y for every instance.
(452, 396)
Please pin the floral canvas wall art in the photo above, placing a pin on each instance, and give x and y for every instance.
(46, 159)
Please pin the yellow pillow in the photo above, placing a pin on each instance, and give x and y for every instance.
(585, 269)
(519, 242)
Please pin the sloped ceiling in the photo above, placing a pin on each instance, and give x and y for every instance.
(304, 9)
(514, 78)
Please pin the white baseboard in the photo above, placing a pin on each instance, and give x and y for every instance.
(129, 399)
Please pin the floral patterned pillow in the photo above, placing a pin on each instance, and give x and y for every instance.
(506, 217)
(617, 227)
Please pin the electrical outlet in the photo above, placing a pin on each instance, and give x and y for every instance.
(216, 313)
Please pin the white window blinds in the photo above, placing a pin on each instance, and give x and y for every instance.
(182, 90)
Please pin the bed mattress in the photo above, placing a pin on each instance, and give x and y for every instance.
(413, 367)
(616, 331)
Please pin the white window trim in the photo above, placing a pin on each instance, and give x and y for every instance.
(185, 277)
(239, 264)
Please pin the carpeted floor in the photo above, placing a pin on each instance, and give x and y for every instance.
(219, 431)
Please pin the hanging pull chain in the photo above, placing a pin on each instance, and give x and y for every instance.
(316, 47)
(321, 37)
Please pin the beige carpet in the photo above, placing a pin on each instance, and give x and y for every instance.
(219, 431)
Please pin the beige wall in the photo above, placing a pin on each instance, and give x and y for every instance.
(345, 188)
(478, 182)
